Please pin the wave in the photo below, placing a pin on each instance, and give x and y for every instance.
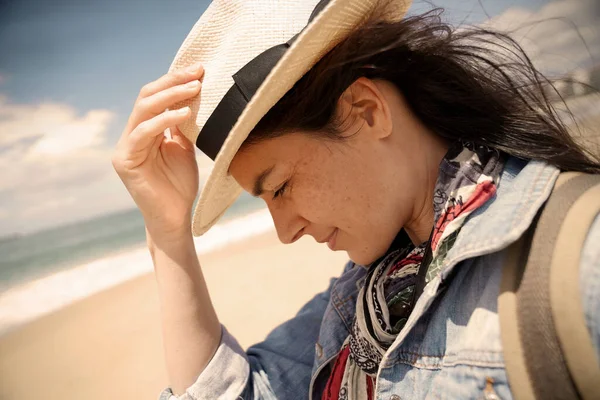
(31, 300)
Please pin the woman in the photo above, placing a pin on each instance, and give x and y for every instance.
(420, 150)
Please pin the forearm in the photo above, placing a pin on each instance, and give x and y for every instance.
(191, 329)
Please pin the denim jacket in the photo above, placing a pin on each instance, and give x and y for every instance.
(450, 346)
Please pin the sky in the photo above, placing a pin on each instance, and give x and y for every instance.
(71, 70)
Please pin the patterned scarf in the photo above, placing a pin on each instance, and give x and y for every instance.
(467, 180)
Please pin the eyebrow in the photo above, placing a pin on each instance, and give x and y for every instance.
(258, 184)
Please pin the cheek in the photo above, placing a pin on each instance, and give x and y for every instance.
(345, 191)
(337, 202)
(315, 200)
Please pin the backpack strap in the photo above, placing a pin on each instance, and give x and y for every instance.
(565, 294)
(514, 359)
(533, 345)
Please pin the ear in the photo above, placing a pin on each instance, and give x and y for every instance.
(367, 105)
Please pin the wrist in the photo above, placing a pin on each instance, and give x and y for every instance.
(172, 251)
(168, 237)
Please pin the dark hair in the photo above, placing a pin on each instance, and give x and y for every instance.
(469, 84)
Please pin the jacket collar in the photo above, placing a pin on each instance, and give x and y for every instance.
(523, 188)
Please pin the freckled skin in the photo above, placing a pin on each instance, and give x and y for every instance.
(368, 185)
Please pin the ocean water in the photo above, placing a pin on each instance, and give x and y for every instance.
(47, 270)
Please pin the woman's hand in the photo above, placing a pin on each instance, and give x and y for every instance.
(162, 177)
(161, 174)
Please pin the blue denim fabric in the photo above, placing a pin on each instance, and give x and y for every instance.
(450, 347)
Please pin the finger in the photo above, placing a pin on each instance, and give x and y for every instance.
(155, 146)
(143, 135)
(184, 75)
(179, 137)
(157, 103)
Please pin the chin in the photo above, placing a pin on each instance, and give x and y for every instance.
(366, 255)
(362, 258)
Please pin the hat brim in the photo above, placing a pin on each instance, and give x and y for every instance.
(328, 29)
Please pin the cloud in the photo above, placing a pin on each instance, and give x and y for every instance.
(52, 160)
(56, 166)
(55, 128)
(559, 37)
(48, 144)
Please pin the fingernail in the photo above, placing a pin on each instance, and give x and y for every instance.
(192, 84)
(183, 110)
(195, 68)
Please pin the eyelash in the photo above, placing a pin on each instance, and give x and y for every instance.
(279, 192)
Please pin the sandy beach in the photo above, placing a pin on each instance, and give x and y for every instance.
(109, 346)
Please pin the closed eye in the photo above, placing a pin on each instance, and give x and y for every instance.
(279, 192)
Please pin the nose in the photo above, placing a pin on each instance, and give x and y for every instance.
(290, 226)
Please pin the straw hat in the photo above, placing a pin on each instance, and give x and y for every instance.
(253, 52)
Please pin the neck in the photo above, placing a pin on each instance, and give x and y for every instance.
(419, 228)
(420, 225)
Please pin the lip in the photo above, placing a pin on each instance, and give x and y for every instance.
(331, 239)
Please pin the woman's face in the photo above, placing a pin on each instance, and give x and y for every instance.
(354, 194)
